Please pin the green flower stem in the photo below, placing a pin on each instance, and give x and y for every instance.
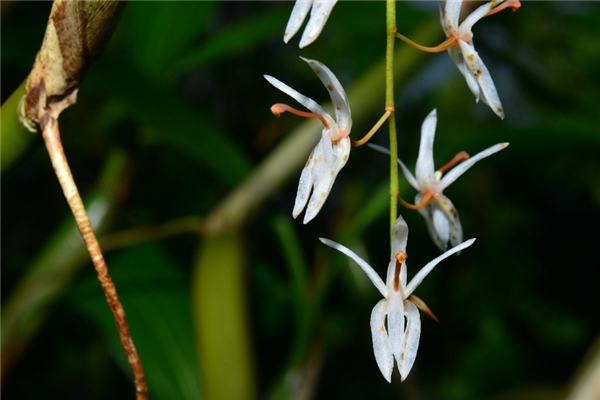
(52, 272)
(389, 106)
(15, 139)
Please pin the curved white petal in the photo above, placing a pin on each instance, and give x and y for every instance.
(299, 97)
(323, 177)
(481, 73)
(461, 168)
(426, 213)
(454, 227)
(299, 13)
(381, 341)
(425, 169)
(336, 91)
(377, 281)
(416, 281)
(441, 224)
(451, 15)
(475, 16)
(321, 10)
(307, 177)
(457, 56)
(395, 320)
(410, 345)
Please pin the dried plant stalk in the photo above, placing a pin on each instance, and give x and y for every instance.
(76, 34)
(52, 139)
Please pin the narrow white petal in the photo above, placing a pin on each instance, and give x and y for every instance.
(481, 73)
(395, 320)
(399, 236)
(318, 17)
(426, 213)
(451, 15)
(425, 169)
(377, 281)
(299, 97)
(475, 16)
(307, 179)
(299, 13)
(336, 91)
(322, 177)
(457, 56)
(407, 174)
(411, 339)
(418, 278)
(454, 226)
(461, 168)
(381, 341)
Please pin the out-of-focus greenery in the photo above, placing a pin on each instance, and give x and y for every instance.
(181, 88)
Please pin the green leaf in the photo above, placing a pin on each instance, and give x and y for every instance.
(159, 31)
(155, 295)
(238, 38)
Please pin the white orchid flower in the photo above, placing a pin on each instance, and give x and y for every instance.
(464, 56)
(331, 153)
(401, 340)
(321, 9)
(440, 214)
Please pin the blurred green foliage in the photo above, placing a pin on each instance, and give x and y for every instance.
(180, 86)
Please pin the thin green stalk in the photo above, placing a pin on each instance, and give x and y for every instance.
(389, 106)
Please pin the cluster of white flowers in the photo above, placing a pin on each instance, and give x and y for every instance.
(399, 308)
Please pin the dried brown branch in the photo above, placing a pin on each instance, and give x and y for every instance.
(51, 137)
(76, 34)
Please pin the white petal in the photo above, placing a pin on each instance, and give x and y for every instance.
(461, 168)
(407, 174)
(395, 320)
(454, 227)
(322, 177)
(457, 56)
(481, 73)
(381, 341)
(299, 97)
(440, 224)
(307, 179)
(411, 339)
(377, 281)
(425, 169)
(451, 15)
(475, 16)
(318, 17)
(336, 91)
(426, 213)
(416, 281)
(299, 13)
(399, 236)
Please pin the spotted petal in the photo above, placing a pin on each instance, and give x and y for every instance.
(481, 73)
(299, 13)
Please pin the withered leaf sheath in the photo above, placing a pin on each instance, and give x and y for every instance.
(76, 34)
